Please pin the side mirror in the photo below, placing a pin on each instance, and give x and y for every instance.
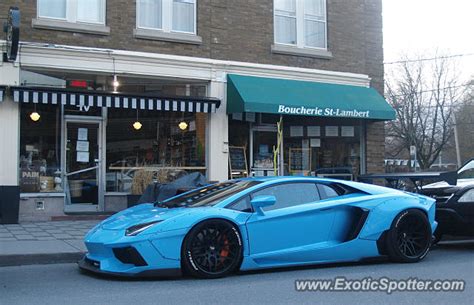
(260, 202)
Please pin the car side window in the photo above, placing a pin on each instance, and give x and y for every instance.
(326, 191)
(290, 194)
(242, 205)
(467, 196)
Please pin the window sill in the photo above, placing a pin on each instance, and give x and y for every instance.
(164, 36)
(41, 195)
(307, 52)
(58, 25)
(110, 194)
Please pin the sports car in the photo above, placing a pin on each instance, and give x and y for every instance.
(456, 215)
(257, 223)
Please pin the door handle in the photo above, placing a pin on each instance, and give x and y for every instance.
(325, 209)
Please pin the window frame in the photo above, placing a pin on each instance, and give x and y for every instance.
(71, 13)
(300, 27)
(166, 18)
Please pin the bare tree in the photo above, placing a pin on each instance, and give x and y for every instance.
(465, 124)
(424, 95)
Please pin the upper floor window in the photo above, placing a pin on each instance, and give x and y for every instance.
(75, 11)
(301, 23)
(167, 15)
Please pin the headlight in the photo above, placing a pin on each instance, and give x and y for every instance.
(137, 229)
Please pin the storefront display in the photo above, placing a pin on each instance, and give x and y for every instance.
(85, 145)
(40, 152)
(316, 147)
(167, 144)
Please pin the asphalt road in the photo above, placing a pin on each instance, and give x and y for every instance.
(64, 284)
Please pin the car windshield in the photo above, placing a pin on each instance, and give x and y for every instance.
(467, 171)
(209, 195)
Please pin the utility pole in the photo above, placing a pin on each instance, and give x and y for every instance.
(456, 141)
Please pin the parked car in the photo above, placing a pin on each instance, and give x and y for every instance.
(265, 222)
(443, 190)
(455, 216)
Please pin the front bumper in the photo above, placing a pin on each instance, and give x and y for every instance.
(111, 252)
(94, 266)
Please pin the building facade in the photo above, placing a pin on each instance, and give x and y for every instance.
(105, 96)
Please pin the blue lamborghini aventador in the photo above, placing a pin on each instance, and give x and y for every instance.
(257, 223)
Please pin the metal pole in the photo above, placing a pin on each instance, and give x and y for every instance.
(282, 162)
(416, 161)
(456, 141)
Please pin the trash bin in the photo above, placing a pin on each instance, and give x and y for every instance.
(9, 204)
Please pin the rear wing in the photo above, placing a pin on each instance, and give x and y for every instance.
(416, 178)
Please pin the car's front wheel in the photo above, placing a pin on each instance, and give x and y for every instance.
(409, 237)
(212, 249)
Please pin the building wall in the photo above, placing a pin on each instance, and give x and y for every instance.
(239, 30)
(375, 148)
(242, 30)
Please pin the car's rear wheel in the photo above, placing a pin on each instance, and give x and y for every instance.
(409, 237)
(212, 249)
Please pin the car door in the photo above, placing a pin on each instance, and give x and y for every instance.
(297, 222)
(465, 206)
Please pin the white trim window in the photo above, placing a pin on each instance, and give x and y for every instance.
(300, 23)
(167, 15)
(74, 11)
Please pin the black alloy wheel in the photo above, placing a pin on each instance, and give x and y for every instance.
(212, 249)
(409, 238)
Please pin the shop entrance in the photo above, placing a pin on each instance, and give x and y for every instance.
(263, 139)
(82, 168)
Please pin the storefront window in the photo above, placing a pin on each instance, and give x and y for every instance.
(324, 147)
(40, 153)
(167, 145)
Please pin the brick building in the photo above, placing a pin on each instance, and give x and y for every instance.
(105, 96)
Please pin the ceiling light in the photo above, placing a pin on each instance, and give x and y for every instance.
(35, 116)
(115, 82)
(137, 125)
(183, 125)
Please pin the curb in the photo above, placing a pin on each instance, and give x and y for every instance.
(37, 259)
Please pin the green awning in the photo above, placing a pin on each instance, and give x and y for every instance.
(282, 96)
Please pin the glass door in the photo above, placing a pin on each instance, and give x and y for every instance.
(82, 166)
(263, 140)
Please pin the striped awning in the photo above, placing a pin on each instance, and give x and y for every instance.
(2, 93)
(113, 100)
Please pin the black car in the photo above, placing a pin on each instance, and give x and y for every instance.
(455, 216)
(442, 190)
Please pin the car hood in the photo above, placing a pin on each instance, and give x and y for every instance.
(442, 184)
(141, 214)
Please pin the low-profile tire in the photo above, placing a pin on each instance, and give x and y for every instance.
(212, 249)
(409, 238)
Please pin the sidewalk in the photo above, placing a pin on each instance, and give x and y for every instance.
(43, 242)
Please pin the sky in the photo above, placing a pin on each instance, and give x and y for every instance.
(417, 27)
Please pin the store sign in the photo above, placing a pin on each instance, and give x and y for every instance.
(84, 108)
(12, 30)
(316, 111)
(29, 180)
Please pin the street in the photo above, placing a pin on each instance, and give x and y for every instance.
(64, 284)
